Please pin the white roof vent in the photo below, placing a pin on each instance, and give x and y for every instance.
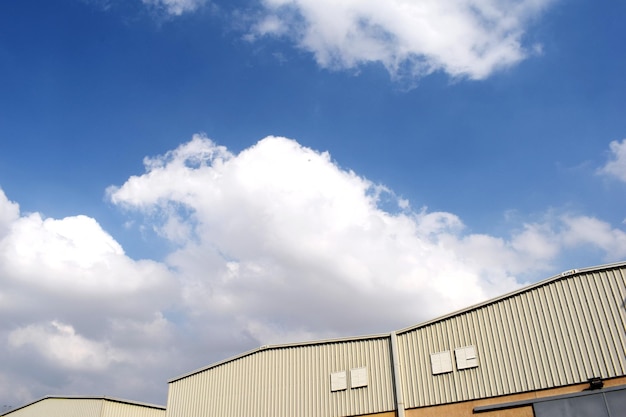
(338, 381)
(441, 362)
(466, 357)
(358, 377)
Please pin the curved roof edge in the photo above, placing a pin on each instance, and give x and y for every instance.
(563, 275)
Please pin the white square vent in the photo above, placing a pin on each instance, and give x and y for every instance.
(466, 357)
(358, 377)
(441, 362)
(338, 381)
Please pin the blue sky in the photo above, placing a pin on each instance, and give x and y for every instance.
(448, 152)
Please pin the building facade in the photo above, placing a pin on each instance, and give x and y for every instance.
(558, 346)
(58, 406)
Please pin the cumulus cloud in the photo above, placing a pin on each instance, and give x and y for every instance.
(284, 242)
(77, 257)
(596, 233)
(59, 343)
(463, 38)
(616, 166)
(69, 298)
(467, 38)
(276, 243)
(9, 212)
(280, 226)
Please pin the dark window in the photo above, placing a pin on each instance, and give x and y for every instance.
(610, 404)
(616, 401)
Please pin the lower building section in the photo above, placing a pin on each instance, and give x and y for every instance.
(571, 401)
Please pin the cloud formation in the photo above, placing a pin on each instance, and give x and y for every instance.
(616, 166)
(277, 243)
(282, 240)
(60, 344)
(175, 7)
(464, 39)
(288, 239)
(467, 38)
(73, 305)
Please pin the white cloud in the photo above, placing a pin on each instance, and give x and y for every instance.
(74, 306)
(467, 38)
(73, 255)
(411, 39)
(59, 343)
(584, 230)
(280, 231)
(9, 212)
(276, 243)
(616, 166)
(175, 7)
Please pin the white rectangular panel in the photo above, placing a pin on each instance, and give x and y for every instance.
(358, 377)
(466, 357)
(338, 381)
(441, 362)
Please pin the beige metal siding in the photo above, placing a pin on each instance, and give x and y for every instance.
(86, 407)
(120, 409)
(289, 381)
(556, 334)
(61, 407)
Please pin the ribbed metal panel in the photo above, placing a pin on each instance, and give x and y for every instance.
(288, 381)
(87, 407)
(558, 333)
(119, 409)
(61, 407)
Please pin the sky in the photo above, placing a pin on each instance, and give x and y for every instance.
(182, 181)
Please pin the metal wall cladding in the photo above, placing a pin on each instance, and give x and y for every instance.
(119, 409)
(557, 333)
(61, 407)
(85, 407)
(287, 381)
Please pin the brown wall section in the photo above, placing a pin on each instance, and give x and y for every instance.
(466, 409)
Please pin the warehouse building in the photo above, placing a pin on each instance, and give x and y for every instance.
(57, 406)
(555, 348)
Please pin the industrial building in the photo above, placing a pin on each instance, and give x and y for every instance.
(57, 406)
(555, 348)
